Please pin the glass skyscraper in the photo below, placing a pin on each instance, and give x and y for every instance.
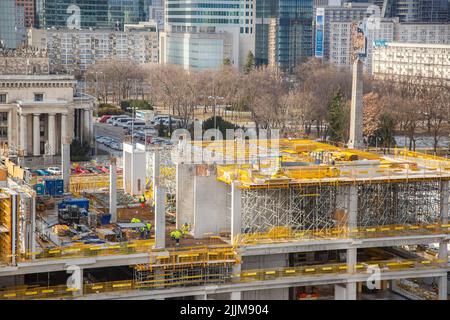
(12, 24)
(283, 32)
(93, 13)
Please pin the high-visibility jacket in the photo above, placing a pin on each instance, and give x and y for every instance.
(176, 234)
(142, 199)
(149, 226)
(135, 220)
(185, 228)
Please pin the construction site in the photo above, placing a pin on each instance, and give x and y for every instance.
(252, 219)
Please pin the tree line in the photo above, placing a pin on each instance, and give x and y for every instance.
(314, 100)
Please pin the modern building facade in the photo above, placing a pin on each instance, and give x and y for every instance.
(73, 51)
(199, 29)
(42, 111)
(12, 24)
(91, 13)
(29, 11)
(429, 63)
(283, 32)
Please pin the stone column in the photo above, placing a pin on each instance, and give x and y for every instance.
(356, 114)
(36, 135)
(52, 133)
(86, 126)
(10, 128)
(23, 133)
(64, 139)
(443, 246)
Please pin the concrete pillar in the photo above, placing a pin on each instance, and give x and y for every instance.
(65, 165)
(235, 295)
(23, 133)
(36, 135)
(356, 114)
(64, 138)
(52, 134)
(160, 217)
(443, 290)
(156, 172)
(340, 292)
(201, 297)
(236, 213)
(113, 190)
(351, 291)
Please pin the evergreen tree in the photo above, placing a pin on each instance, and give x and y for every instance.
(336, 118)
(250, 64)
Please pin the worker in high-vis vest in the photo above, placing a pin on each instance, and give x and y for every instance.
(142, 201)
(176, 234)
(185, 229)
(149, 228)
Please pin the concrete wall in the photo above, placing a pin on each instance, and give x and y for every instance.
(184, 194)
(211, 210)
(265, 262)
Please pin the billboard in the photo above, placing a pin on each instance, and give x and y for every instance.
(320, 16)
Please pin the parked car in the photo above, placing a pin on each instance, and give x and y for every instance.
(135, 125)
(111, 120)
(54, 170)
(121, 122)
(104, 118)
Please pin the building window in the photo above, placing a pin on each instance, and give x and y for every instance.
(2, 97)
(38, 97)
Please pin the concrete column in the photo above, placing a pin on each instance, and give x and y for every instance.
(36, 135)
(113, 190)
(156, 172)
(236, 213)
(443, 290)
(160, 217)
(65, 165)
(52, 133)
(235, 295)
(201, 297)
(340, 292)
(64, 138)
(23, 133)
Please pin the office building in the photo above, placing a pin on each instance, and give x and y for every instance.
(29, 11)
(92, 13)
(283, 32)
(200, 35)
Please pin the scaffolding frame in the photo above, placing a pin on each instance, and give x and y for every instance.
(316, 208)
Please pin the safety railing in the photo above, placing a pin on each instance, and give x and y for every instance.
(288, 235)
(63, 291)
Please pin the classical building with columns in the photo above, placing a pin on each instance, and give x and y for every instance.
(39, 112)
(42, 112)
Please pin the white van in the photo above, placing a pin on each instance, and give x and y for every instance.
(136, 124)
(120, 122)
(114, 118)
